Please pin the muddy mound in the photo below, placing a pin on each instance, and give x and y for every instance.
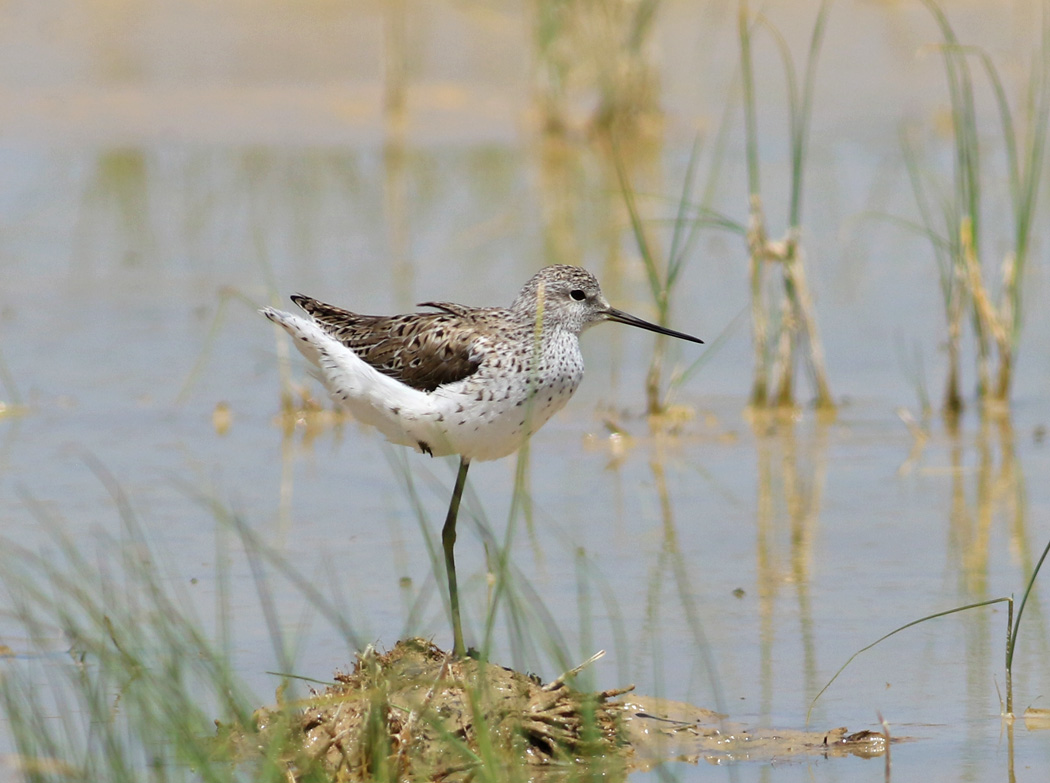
(418, 713)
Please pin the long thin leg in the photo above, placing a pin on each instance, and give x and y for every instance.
(448, 541)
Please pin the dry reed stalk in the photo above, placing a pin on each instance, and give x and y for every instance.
(797, 317)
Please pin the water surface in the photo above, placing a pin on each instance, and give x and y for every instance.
(167, 168)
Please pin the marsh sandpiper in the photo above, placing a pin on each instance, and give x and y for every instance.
(472, 381)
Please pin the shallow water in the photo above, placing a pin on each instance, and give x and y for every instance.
(166, 170)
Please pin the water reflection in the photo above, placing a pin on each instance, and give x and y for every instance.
(396, 208)
(989, 496)
(270, 219)
(981, 493)
(114, 221)
(396, 198)
(791, 474)
(671, 564)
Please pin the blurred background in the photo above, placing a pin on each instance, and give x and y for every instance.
(168, 167)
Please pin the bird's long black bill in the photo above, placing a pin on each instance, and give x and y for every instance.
(620, 317)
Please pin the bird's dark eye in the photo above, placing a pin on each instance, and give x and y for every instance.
(578, 295)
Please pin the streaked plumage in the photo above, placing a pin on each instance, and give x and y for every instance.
(473, 381)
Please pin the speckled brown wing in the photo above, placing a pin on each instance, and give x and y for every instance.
(422, 350)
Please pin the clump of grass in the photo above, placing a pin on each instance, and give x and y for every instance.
(139, 694)
(952, 218)
(420, 713)
(145, 684)
(791, 307)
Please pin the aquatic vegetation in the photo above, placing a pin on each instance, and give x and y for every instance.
(145, 684)
(953, 218)
(790, 306)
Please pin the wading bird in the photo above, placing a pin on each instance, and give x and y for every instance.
(472, 381)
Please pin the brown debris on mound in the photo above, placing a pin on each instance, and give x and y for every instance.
(416, 712)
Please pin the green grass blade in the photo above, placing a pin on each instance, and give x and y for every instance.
(946, 249)
(881, 639)
(713, 346)
(679, 247)
(801, 124)
(747, 83)
(912, 226)
(1020, 608)
(964, 121)
(649, 261)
